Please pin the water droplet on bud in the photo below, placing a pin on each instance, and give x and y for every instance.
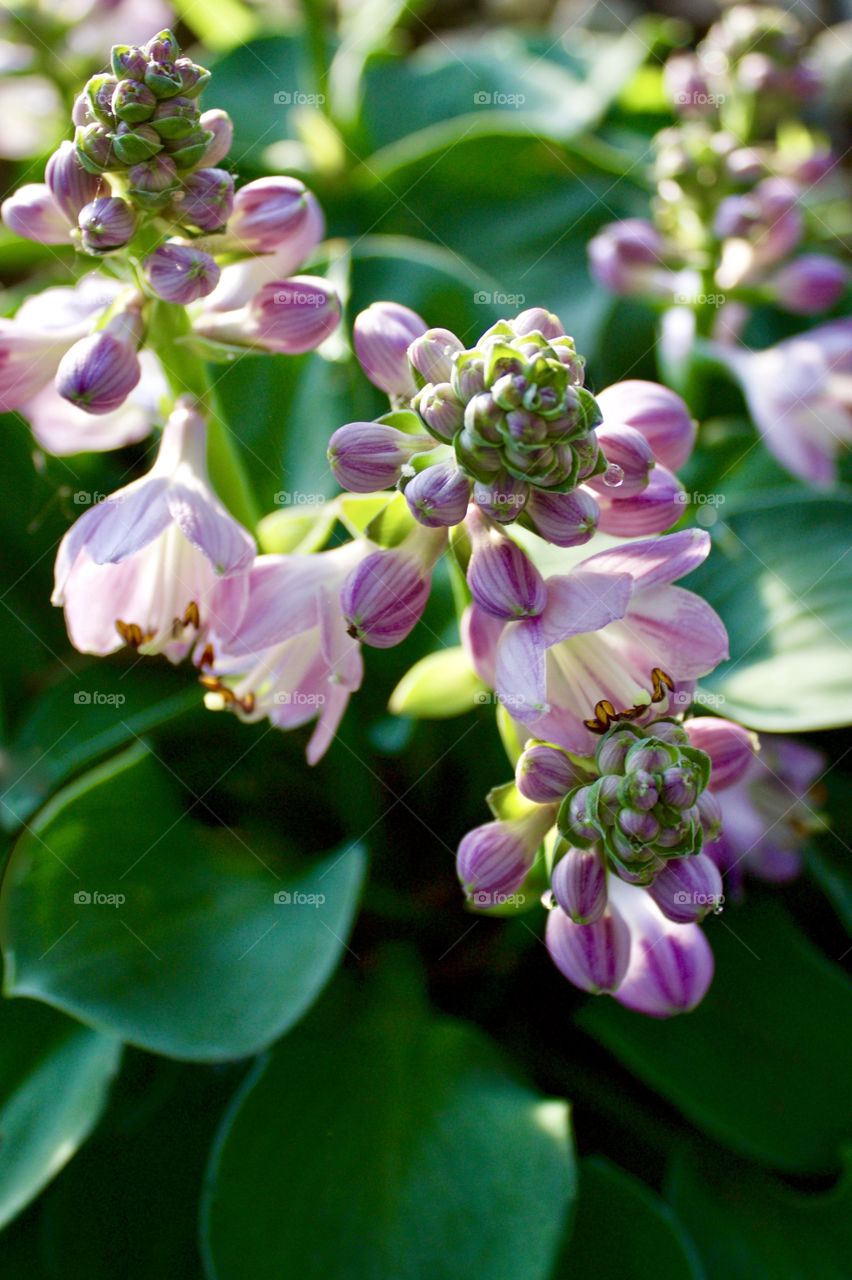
(613, 476)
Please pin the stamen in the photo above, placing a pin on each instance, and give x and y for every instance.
(214, 685)
(606, 714)
(132, 634)
(206, 659)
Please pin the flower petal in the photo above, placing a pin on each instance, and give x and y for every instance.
(655, 560)
(583, 601)
(685, 635)
(520, 674)
(211, 529)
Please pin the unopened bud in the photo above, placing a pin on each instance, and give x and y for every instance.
(98, 373)
(367, 456)
(579, 885)
(563, 519)
(180, 273)
(438, 496)
(106, 223)
(382, 335)
(70, 184)
(206, 199)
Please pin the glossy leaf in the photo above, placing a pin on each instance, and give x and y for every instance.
(402, 1148)
(188, 941)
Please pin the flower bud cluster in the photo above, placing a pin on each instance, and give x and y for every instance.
(729, 218)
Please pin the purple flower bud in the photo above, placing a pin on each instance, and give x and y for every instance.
(627, 256)
(504, 499)
(439, 496)
(679, 786)
(98, 373)
(671, 967)
(382, 335)
(32, 212)
(179, 273)
(293, 316)
(218, 123)
(810, 284)
(189, 151)
(686, 85)
(537, 320)
(441, 409)
(106, 223)
(688, 888)
(81, 112)
(153, 183)
(163, 79)
(432, 354)
(640, 790)
(383, 598)
(128, 62)
(503, 580)
(366, 456)
(267, 212)
(563, 519)
(493, 861)
(71, 185)
(99, 91)
(661, 416)
(709, 814)
(135, 143)
(133, 102)
(579, 885)
(545, 773)
(592, 956)
(206, 199)
(731, 748)
(576, 821)
(746, 164)
(175, 118)
(612, 749)
(163, 47)
(95, 152)
(653, 510)
(627, 450)
(193, 77)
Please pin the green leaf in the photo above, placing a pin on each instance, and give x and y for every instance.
(759, 1064)
(749, 1226)
(620, 1226)
(221, 24)
(293, 531)
(780, 575)
(375, 1142)
(186, 951)
(441, 685)
(84, 717)
(54, 1077)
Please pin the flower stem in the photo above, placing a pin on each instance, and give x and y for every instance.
(187, 374)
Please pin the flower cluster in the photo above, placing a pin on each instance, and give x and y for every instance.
(497, 454)
(738, 221)
(625, 877)
(141, 193)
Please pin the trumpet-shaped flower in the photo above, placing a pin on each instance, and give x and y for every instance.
(139, 568)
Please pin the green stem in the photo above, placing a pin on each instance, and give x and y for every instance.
(315, 36)
(187, 374)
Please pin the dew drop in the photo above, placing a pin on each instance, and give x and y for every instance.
(613, 476)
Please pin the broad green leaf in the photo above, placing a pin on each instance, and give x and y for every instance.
(221, 24)
(292, 531)
(377, 1142)
(186, 940)
(54, 1077)
(759, 1065)
(619, 1226)
(780, 575)
(749, 1226)
(440, 685)
(83, 717)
